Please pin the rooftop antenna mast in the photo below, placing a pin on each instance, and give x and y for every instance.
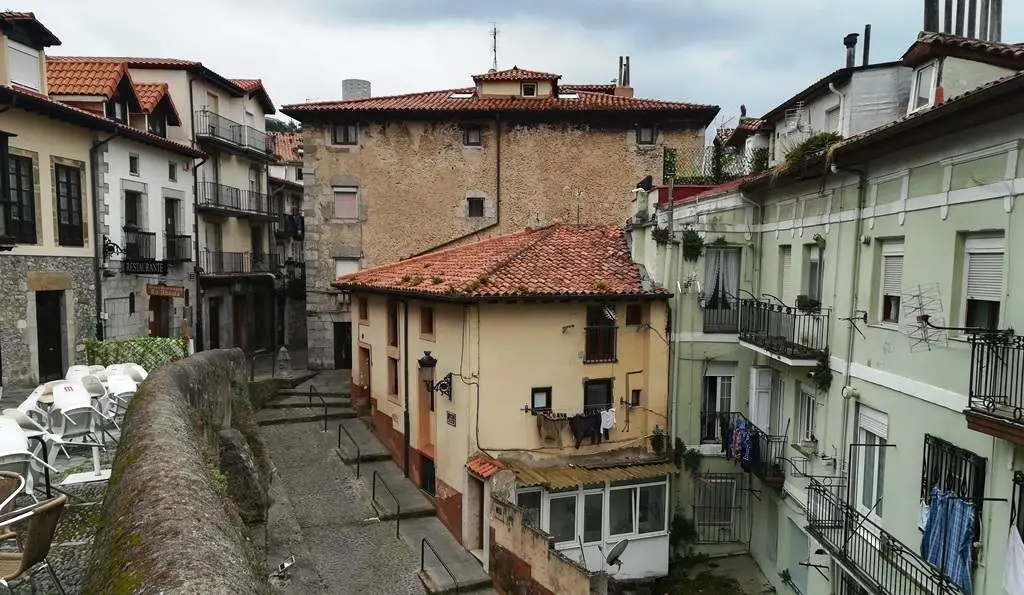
(494, 46)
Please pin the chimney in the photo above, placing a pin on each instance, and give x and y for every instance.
(867, 45)
(622, 89)
(972, 17)
(995, 30)
(947, 19)
(931, 15)
(984, 16)
(850, 41)
(618, 77)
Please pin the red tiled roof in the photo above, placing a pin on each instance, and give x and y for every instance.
(249, 85)
(151, 94)
(516, 74)
(726, 187)
(81, 77)
(285, 145)
(607, 88)
(722, 135)
(442, 101)
(255, 87)
(160, 64)
(752, 124)
(556, 261)
(30, 22)
(483, 465)
(930, 45)
(41, 103)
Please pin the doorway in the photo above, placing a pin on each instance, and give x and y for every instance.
(160, 314)
(50, 334)
(241, 321)
(428, 476)
(342, 345)
(477, 519)
(215, 305)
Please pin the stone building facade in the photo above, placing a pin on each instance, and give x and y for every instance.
(391, 177)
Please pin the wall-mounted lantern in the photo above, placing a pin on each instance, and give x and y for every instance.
(427, 365)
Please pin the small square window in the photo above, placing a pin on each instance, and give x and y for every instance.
(922, 94)
(364, 309)
(540, 399)
(346, 202)
(426, 320)
(133, 165)
(529, 89)
(298, 173)
(634, 397)
(345, 134)
(475, 206)
(392, 376)
(634, 314)
(645, 135)
(172, 171)
(472, 136)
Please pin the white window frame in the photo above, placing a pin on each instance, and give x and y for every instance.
(725, 389)
(838, 111)
(815, 256)
(872, 426)
(982, 245)
(915, 82)
(335, 190)
(605, 491)
(890, 250)
(786, 273)
(581, 515)
(541, 514)
(528, 85)
(807, 412)
(762, 382)
(36, 84)
(547, 498)
(334, 135)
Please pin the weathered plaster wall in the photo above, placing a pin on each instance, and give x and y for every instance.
(168, 524)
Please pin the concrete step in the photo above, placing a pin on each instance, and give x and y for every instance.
(303, 401)
(467, 570)
(333, 394)
(370, 449)
(412, 503)
(270, 417)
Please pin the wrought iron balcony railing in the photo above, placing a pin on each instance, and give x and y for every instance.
(289, 226)
(139, 245)
(238, 263)
(721, 314)
(178, 248)
(210, 124)
(997, 375)
(873, 554)
(229, 199)
(784, 330)
(760, 453)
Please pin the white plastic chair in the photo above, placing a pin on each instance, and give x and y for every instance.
(96, 368)
(137, 372)
(74, 419)
(120, 389)
(76, 372)
(98, 392)
(15, 455)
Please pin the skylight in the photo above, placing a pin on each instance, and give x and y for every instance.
(461, 95)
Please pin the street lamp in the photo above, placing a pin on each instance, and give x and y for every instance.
(444, 386)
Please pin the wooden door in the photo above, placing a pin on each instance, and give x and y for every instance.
(160, 322)
(50, 334)
(342, 345)
(215, 304)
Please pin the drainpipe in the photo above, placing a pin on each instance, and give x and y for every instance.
(862, 187)
(842, 103)
(198, 314)
(94, 164)
(405, 362)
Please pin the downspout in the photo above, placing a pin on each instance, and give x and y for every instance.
(862, 185)
(405, 413)
(198, 315)
(98, 248)
(842, 104)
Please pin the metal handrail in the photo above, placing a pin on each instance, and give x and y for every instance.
(314, 392)
(359, 453)
(398, 507)
(426, 542)
(258, 354)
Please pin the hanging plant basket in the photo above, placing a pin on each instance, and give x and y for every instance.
(821, 375)
(693, 245)
(661, 235)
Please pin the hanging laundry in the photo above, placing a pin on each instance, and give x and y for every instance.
(1013, 570)
(922, 516)
(585, 425)
(948, 537)
(550, 429)
(607, 422)
(932, 540)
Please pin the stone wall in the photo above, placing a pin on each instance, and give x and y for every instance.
(20, 278)
(523, 561)
(183, 480)
(414, 180)
(122, 321)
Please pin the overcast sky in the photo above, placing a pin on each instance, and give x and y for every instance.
(723, 52)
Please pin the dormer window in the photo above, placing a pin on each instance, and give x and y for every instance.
(922, 94)
(157, 125)
(115, 110)
(529, 89)
(25, 65)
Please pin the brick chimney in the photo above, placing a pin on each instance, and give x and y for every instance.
(622, 88)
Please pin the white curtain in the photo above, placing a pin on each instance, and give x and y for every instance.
(721, 277)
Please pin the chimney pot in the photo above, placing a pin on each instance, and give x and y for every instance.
(850, 41)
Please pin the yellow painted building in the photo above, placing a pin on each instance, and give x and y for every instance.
(541, 352)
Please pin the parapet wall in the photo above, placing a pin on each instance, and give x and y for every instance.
(169, 524)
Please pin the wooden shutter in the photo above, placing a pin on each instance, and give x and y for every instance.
(892, 274)
(788, 289)
(985, 276)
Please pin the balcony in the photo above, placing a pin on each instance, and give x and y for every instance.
(996, 394)
(762, 457)
(600, 344)
(794, 336)
(721, 314)
(867, 551)
(229, 200)
(178, 248)
(230, 135)
(289, 226)
(238, 263)
(140, 253)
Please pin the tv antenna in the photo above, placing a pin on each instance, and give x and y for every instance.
(922, 318)
(494, 46)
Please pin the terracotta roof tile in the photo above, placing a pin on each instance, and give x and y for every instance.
(150, 95)
(285, 145)
(930, 45)
(255, 86)
(608, 88)
(81, 77)
(752, 124)
(133, 62)
(442, 101)
(249, 85)
(483, 465)
(516, 74)
(558, 260)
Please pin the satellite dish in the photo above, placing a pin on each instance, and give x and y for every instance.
(646, 184)
(614, 556)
